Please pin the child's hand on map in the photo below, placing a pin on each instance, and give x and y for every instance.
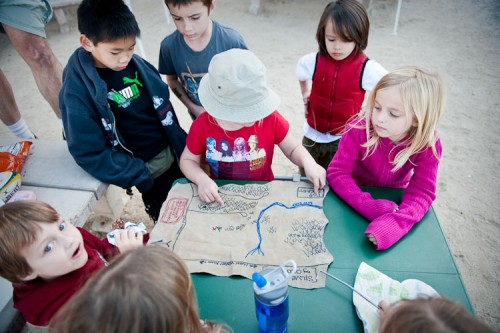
(316, 175)
(209, 191)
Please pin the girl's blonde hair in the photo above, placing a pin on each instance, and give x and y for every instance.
(423, 96)
(142, 291)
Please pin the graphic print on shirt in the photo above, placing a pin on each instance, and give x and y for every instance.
(191, 84)
(127, 94)
(157, 102)
(236, 161)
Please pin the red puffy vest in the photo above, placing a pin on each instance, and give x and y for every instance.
(336, 93)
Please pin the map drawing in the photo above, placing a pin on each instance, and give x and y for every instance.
(259, 225)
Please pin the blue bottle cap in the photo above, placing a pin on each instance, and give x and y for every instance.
(259, 280)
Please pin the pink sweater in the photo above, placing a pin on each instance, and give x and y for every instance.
(348, 170)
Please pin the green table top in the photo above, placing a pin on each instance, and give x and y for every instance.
(422, 254)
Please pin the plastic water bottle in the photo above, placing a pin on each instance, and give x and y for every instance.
(271, 297)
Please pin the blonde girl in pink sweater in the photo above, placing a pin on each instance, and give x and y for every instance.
(392, 143)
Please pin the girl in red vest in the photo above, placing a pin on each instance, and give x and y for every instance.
(333, 81)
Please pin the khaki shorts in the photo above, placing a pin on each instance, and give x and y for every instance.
(27, 15)
(160, 163)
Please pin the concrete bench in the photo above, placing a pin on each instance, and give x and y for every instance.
(51, 166)
(59, 13)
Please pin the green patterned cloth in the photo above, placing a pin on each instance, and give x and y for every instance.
(377, 286)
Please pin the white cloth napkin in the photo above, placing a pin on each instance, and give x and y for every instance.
(377, 286)
(138, 226)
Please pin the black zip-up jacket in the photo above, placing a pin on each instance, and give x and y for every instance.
(89, 124)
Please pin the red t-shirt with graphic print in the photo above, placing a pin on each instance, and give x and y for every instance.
(244, 154)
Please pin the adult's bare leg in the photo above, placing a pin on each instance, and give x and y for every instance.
(46, 68)
(9, 112)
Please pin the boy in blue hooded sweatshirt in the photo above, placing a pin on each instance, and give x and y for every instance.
(119, 123)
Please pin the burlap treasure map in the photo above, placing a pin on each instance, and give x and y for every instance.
(259, 225)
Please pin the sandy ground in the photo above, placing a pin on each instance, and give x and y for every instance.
(460, 38)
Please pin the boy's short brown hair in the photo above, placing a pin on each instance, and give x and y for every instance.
(18, 228)
(178, 3)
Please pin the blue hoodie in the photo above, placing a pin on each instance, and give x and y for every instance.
(89, 124)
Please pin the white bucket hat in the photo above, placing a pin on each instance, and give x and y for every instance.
(235, 88)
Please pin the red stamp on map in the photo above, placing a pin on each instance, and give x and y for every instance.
(176, 207)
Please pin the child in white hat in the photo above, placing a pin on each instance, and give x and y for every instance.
(240, 107)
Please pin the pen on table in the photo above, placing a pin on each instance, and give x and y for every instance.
(350, 287)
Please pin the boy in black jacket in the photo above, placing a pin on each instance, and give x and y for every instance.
(119, 123)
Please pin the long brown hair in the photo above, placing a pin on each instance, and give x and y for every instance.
(350, 22)
(145, 290)
(431, 315)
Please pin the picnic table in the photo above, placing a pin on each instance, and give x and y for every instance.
(423, 254)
